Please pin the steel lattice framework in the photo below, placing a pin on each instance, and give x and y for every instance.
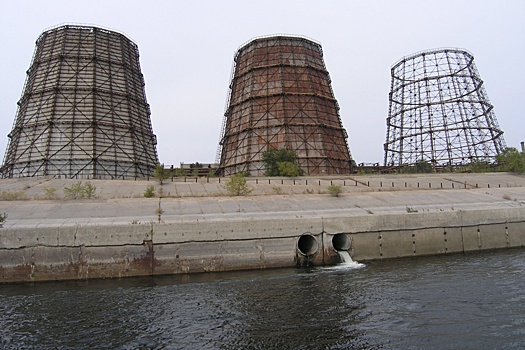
(83, 112)
(439, 112)
(280, 97)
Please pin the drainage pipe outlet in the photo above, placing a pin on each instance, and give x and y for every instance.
(341, 242)
(307, 245)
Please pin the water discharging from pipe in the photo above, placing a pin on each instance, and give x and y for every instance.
(346, 260)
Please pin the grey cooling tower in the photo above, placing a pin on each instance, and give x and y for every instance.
(439, 112)
(83, 112)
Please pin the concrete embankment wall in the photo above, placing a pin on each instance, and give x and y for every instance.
(104, 251)
(416, 234)
(111, 238)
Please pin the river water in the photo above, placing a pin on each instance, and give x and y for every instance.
(465, 301)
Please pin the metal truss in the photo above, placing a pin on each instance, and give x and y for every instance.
(280, 97)
(83, 112)
(439, 112)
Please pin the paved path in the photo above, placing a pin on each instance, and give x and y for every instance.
(122, 202)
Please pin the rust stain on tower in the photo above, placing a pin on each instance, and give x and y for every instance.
(280, 96)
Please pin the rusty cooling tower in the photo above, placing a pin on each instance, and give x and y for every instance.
(440, 112)
(280, 97)
(83, 112)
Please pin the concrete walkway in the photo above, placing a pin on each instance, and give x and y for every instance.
(123, 202)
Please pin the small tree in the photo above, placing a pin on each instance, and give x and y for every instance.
(160, 173)
(289, 169)
(237, 186)
(180, 172)
(281, 162)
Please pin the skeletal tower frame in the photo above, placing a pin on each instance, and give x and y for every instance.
(280, 96)
(439, 112)
(83, 111)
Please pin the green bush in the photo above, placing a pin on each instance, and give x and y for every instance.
(511, 160)
(89, 190)
(289, 169)
(277, 190)
(3, 218)
(80, 191)
(150, 191)
(420, 167)
(237, 186)
(281, 162)
(12, 196)
(50, 193)
(335, 190)
(411, 210)
(479, 166)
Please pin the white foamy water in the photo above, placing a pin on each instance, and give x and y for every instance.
(347, 262)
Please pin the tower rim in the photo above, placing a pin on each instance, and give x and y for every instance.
(85, 26)
(276, 36)
(430, 51)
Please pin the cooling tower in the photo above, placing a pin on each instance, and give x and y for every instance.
(280, 97)
(439, 112)
(83, 112)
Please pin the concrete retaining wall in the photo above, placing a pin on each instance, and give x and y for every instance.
(214, 244)
(440, 233)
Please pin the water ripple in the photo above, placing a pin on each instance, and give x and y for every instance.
(470, 301)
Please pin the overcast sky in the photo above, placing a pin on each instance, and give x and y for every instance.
(187, 48)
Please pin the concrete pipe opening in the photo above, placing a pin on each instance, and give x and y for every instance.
(307, 245)
(341, 242)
